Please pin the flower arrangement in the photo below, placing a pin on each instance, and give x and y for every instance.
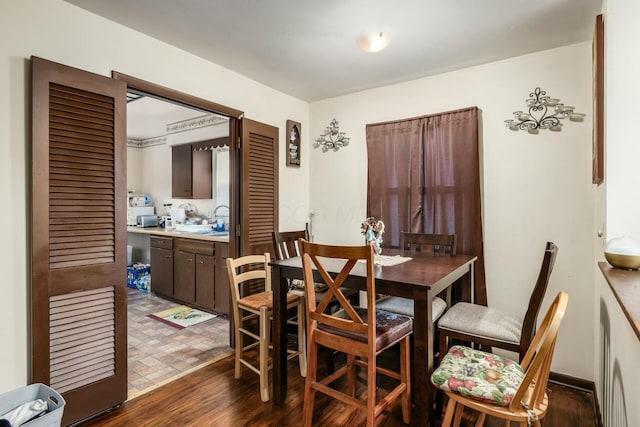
(372, 229)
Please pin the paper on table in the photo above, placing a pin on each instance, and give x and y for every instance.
(388, 260)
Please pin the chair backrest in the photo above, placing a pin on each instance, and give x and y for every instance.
(537, 361)
(250, 270)
(285, 244)
(427, 244)
(318, 256)
(537, 295)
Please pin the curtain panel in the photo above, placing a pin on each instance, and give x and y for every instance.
(424, 177)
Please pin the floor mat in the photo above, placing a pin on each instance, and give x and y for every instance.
(182, 316)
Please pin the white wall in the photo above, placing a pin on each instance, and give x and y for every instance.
(60, 32)
(617, 377)
(535, 187)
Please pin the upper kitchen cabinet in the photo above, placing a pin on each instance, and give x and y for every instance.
(191, 170)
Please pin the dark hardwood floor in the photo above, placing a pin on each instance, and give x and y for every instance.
(211, 396)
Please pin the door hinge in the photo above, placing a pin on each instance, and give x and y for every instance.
(239, 142)
(238, 230)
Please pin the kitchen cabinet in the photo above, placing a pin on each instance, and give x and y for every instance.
(162, 265)
(222, 289)
(184, 279)
(191, 172)
(194, 273)
(206, 285)
(191, 272)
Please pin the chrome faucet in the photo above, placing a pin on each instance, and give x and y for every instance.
(215, 211)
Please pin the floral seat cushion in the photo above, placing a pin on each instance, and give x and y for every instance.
(478, 375)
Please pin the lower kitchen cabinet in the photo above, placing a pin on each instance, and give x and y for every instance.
(205, 282)
(198, 272)
(184, 279)
(222, 289)
(162, 265)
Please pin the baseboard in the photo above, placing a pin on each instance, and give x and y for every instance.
(581, 384)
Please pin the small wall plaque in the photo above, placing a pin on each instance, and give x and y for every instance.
(294, 132)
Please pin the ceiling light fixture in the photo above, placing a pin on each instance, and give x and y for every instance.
(373, 42)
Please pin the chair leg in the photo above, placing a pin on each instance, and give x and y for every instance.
(302, 342)
(330, 360)
(442, 351)
(405, 377)
(448, 413)
(264, 354)
(239, 345)
(309, 393)
(351, 375)
(458, 416)
(371, 391)
(480, 420)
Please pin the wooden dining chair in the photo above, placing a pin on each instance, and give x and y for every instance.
(249, 270)
(419, 244)
(285, 245)
(361, 333)
(413, 244)
(499, 387)
(490, 327)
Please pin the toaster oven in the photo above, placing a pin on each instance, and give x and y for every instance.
(147, 221)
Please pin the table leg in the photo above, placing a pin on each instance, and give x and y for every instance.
(279, 288)
(422, 358)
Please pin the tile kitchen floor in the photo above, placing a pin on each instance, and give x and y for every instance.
(159, 353)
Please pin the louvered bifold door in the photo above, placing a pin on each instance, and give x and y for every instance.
(259, 187)
(78, 298)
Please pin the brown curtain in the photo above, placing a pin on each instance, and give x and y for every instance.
(424, 177)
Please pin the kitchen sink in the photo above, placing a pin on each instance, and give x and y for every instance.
(217, 233)
(201, 229)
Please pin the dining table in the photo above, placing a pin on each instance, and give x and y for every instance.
(419, 278)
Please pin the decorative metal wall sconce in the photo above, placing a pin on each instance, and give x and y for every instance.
(544, 113)
(331, 138)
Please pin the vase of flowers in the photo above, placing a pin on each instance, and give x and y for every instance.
(372, 229)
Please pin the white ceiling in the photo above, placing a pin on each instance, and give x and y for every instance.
(308, 48)
(148, 117)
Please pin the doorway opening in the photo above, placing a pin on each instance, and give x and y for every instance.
(157, 352)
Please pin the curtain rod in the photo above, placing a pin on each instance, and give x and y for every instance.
(422, 117)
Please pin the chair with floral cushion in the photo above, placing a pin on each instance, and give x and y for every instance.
(497, 386)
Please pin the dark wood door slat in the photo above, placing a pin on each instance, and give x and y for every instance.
(67, 245)
(58, 127)
(82, 190)
(84, 94)
(59, 185)
(80, 199)
(65, 172)
(80, 234)
(82, 154)
(100, 170)
(80, 159)
(103, 109)
(65, 112)
(87, 145)
(82, 212)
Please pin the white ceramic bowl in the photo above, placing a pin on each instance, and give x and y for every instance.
(623, 252)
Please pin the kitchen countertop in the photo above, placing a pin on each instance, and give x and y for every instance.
(160, 231)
